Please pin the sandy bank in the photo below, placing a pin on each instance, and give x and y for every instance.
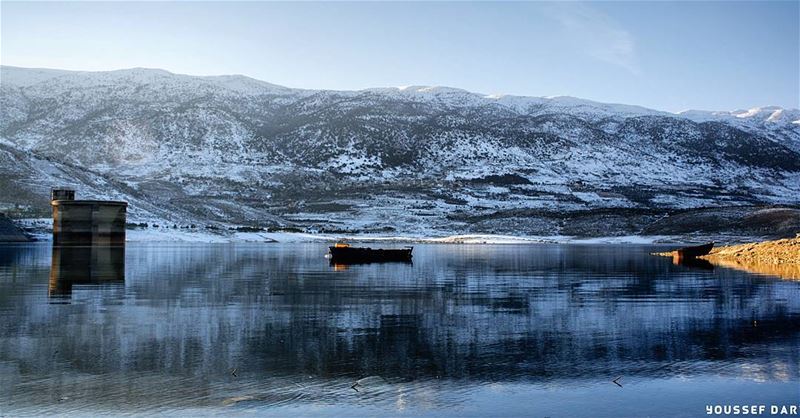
(775, 258)
(782, 251)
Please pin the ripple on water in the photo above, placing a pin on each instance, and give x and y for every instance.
(481, 330)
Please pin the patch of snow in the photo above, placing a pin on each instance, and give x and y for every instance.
(170, 235)
(627, 239)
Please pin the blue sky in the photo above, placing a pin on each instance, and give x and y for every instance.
(665, 55)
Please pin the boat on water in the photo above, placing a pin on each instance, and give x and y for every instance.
(694, 251)
(344, 253)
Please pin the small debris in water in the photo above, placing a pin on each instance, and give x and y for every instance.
(236, 399)
(368, 382)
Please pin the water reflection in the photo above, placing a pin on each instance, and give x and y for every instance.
(696, 263)
(435, 332)
(342, 266)
(790, 271)
(89, 265)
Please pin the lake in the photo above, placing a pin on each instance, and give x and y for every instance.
(466, 330)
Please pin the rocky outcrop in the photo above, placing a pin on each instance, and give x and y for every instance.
(9, 232)
(776, 258)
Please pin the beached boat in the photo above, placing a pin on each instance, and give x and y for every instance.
(344, 253)
(694, 251)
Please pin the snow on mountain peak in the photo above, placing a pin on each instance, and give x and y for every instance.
(775, 116)
(756, 115)
(24, 77)
(29, 77)
(219, 147)
(241, 85)
(430, 89)
(756, 111)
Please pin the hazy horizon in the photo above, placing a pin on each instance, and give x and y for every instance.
(670, 56)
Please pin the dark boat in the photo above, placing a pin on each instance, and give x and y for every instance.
(343, 253)
(694, 251)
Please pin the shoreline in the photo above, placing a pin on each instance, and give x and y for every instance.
(782, 251)
(167, 235)
(39, 229)
(774, 258)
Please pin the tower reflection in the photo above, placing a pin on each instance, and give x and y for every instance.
(85, 265)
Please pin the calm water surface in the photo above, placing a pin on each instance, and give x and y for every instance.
(466, 330)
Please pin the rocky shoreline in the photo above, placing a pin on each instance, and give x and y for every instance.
(9, 232)
(782, 251)
(775, 258)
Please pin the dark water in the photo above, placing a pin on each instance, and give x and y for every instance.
(466, 330)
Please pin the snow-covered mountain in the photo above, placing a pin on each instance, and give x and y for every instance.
(234, 150)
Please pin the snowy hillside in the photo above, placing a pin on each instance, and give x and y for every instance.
(231, 150)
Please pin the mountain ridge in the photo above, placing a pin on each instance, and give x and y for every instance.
(563, 99)
(234, 150)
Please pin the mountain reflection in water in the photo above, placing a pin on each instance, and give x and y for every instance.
(196, 327)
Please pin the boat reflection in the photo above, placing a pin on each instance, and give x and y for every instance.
(343, 266)
(695, 263)
(85, 265)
